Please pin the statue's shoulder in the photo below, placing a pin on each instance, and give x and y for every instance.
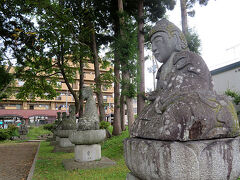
(190, 61)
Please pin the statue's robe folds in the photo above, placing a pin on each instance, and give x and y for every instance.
(184, 107)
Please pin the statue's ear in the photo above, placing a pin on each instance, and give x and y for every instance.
(178, 42)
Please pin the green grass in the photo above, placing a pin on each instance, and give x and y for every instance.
(34, 132)
(49, 165)
(6, 142)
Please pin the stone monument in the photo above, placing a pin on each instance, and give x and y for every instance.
(187, 131)
(87, 138)
(23, 130)
(57, 126)
(68, 125)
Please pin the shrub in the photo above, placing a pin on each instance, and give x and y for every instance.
(234, 95)
(49, 127)
(12, 130)
(104, 125)
(4, 134)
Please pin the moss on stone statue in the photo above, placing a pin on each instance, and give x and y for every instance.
(231, 108)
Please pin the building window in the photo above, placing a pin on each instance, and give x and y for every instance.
(58, 97)
(104, 98)
(43, 106)
(11, 106)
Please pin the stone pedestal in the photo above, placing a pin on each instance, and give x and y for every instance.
(71, 164)
(65, 142)
(57, 138)
(86, 144)
(87, 150)
(85, 153)
(63, 135)
(217, 159)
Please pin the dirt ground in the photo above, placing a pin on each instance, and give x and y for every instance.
(16, 160)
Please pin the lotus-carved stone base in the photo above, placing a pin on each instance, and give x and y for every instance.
(87, 137)
(64, 133)
(217, 159)
(65, 142)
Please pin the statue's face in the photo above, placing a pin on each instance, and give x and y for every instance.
(162, 46)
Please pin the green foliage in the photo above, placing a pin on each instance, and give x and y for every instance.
(113, 147)
(126, 46)
(4, 134)
(49, 165)
(104, 125)
(234, 95)
(49, 127)
(34, 132)
(194, 43)
(5, 80)
(12, 130)
(18, 38)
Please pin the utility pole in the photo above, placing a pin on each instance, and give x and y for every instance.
(67, 102)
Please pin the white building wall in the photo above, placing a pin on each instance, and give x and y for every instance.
(227, 80)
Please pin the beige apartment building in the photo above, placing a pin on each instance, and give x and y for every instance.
(43, 110)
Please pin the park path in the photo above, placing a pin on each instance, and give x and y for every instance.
(16, 160)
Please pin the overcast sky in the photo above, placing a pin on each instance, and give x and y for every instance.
(218, 27)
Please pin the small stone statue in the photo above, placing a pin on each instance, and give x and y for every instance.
(90, 119)
(88, 137)
(23, 130)
(69, 123)
(58, 122)
(184, 106)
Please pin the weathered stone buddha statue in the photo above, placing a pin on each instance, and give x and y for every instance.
(187, 131)
(184, 106)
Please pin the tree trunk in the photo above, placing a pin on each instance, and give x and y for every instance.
(81, 83)
(122, 112)
(141, 83)
(125, 74)
(117, 121)
(97, 77)
(130, 113)
(60, 61)
(184, 16)
(129, 100)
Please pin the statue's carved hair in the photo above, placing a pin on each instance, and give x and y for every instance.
(172, 30)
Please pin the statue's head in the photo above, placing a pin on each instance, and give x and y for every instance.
(166, 38)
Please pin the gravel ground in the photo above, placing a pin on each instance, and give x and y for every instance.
(16, 160)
